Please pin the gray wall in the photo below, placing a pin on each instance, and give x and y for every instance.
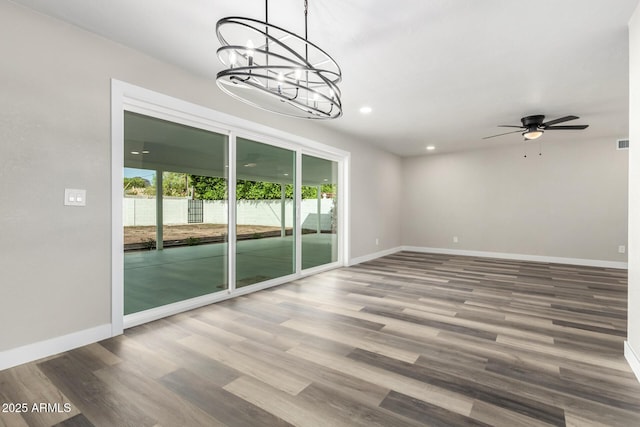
(634, 183)
(55, 134)
(570, 202)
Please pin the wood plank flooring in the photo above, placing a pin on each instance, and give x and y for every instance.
(406, 340)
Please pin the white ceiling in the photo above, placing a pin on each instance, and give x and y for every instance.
(437, 72)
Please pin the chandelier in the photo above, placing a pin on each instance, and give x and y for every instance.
(276, 70)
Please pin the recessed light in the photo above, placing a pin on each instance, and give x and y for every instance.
(431, 148)
(286, 174)
(135, 152)
(366, 110)
(250, 165)
(326, 180)
(145, 151)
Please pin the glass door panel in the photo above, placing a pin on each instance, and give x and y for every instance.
(175, 212)
(265, 212)
(319, 211)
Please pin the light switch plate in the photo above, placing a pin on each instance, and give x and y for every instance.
(75, 197)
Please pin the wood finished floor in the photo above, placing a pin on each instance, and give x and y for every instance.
(406, 340)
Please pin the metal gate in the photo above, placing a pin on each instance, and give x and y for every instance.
(195, 211)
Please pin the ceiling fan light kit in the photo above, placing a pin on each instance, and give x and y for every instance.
(276, 70)
(532, 134)
(535, 126)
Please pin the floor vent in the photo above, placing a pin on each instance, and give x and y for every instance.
(623, 144)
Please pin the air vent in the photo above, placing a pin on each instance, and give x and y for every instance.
(623, 144)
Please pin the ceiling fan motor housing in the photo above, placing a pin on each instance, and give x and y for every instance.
(532, 121)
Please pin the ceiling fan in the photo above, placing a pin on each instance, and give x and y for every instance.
(535, 126)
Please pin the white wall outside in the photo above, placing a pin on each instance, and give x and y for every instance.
(142, 212)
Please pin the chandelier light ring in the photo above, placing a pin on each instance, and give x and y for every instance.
(276, 70)
(301, 96)
(332, 77)
(255, 26)
(302, 106)
(281, 75)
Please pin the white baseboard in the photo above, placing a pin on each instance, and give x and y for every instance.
(369, 257)
(632, 359)
(30, 352)
(520, 257)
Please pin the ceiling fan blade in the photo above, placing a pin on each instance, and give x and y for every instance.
(511, 126)
(567, 127)
(560, 120)
(493, 136)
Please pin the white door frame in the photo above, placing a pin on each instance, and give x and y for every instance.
(128, 97)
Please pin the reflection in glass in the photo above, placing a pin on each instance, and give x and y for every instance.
(175, 212)
(319, 211)
(265, 214)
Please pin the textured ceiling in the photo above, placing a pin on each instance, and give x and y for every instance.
(438, 72)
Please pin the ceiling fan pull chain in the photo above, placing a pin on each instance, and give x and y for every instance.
(539, 148)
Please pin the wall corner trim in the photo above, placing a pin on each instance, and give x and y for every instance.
(38, 350)
(632, 359)
(520, 257)
(373, 256)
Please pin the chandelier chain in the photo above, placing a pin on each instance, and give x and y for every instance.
(306, 13)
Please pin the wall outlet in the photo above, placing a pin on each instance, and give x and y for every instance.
(377, 241)
(455, 239)
(622, 249)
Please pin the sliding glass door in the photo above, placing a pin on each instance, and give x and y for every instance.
(319, 211)
(177, 219)
(175, 212)
(265, 212)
